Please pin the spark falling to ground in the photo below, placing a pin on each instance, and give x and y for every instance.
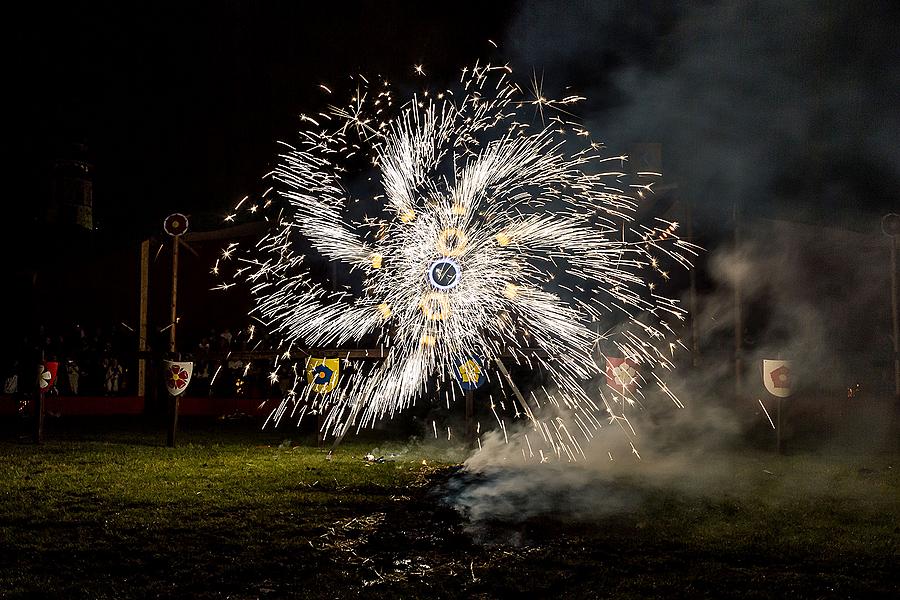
(498, 230)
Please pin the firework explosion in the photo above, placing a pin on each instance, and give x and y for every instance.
(499, 230)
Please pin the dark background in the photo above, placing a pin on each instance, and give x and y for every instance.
(181, 105)
(179, 108)
(782, 111)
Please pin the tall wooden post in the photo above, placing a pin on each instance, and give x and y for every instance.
(173, 323)
(173, 420)
(39, 419)
(778, 427)
(692, 273)
(142, 319)
(39, 410)
(738, 319)
(895, 429)
(470, 414)
(320, 418)
(896, 319)
(890, 225)
(173, 400)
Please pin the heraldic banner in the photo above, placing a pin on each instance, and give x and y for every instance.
(322, 374)
(177, 375)
(777, 377)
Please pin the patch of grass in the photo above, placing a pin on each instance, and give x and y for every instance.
(127, 516)
(248, 514)
(800, 526)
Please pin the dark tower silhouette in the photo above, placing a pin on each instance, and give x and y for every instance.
(72, 190)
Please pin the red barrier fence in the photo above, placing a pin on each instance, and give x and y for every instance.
(134, 405)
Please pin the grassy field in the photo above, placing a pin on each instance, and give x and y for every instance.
(238, 513)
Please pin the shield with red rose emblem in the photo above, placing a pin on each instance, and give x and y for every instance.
(178, 376)
(47, 375)
(777, 377)
(621, 374)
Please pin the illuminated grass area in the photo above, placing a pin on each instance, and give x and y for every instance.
(244, 515)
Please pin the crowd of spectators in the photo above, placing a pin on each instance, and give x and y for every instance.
(91, 362)
(104, 362)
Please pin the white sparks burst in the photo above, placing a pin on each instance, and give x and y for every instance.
(489, 233)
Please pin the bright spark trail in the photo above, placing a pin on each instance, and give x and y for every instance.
(495, 232)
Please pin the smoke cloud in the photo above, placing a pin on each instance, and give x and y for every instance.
(778, 107)
(785, 111)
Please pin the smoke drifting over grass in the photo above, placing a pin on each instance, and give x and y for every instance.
(803, 300)
(787, 111)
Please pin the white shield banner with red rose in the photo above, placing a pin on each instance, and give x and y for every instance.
(777, 377)
(621, 374)
(178, 376)
(47, 375)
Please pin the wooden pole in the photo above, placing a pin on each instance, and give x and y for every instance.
(890, 225)
(692, 273)
(173, 421)
(142, 318)
(894, 436)
(173, 400)
(778, 427)
(340, 438)
(470, 414)
(173, 323)
(39, 419)
(738, 320)
(39, 411)
(512, 384)
(896, 319)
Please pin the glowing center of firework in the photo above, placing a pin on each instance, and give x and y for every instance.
(444, 274)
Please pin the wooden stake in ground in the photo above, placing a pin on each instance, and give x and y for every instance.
(173, 323)
(890, 225)
(344, 430)
(470, 415)
(738, 318)
(177, 376)
(779, 382)
(39, 419)
(512, 383)
(695, 337)
(175, 225)
(46, 380)
(142, 318)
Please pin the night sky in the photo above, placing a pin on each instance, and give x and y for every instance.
(786, 110)
(790, 108)
(181, 106)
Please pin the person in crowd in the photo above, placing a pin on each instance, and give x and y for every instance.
(74, 375)
(225, 337)
(11, 382)
(114, 373)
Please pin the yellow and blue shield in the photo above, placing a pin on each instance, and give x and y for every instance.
(322, 374)
(470, 372)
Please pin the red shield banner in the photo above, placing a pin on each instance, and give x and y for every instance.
(177, 376)
(621, 374)
(47, 375)
(777, 377)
